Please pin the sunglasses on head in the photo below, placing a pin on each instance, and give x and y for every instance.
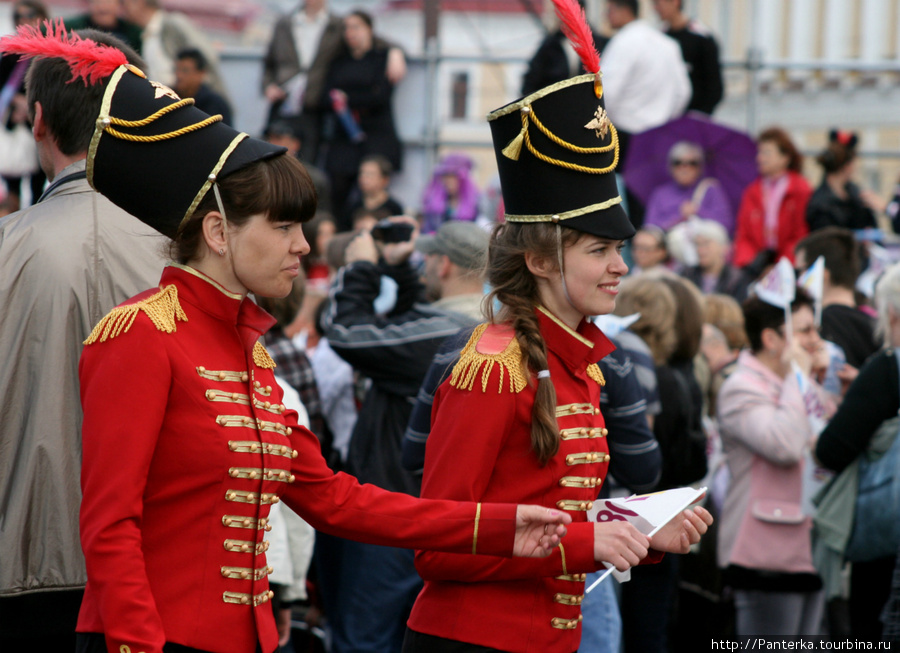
(685, 162)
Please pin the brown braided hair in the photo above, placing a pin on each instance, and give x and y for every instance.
(515, 288)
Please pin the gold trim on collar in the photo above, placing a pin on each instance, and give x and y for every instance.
(574, 213)
(207, 279)
(101, 123)
(210, 180)
(566, 327)
(537, 95)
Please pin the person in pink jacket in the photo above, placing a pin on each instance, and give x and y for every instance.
(766, 429)
(772, 214)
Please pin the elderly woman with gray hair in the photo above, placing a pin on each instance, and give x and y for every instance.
(689, 194)
(872, 399)
(712, 272)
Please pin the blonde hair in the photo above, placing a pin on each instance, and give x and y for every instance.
(887, 300)
(655, 301)
(724, 313)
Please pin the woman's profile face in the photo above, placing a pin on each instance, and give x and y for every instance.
(265, 256)
(770, 160)
(357, 34)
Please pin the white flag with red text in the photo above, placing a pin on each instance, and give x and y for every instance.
(647, 512)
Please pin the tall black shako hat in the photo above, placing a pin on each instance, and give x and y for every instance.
(152, 153)
(557, 150)
(156, 155)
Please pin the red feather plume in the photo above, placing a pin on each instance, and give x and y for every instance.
(574, 25)
(88, 60)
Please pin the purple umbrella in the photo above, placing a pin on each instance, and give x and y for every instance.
(730, 156)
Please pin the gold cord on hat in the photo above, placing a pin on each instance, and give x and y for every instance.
(514, 149)
(146, 121)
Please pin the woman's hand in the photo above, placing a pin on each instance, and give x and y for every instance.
(847, 375)
(620, 544)
(283, 624)
(678, 535)
(873, 200)
(538, 530)
(396, 66)
(795, 353)
(274, 93)
(688, 209)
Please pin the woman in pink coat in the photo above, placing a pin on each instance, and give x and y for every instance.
(764, 412)
(773, 210)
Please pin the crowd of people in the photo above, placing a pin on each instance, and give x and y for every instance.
(228, 343)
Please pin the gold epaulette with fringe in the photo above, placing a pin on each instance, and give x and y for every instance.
(261, 357)
(594, 373)
(471, 361)
(162, 308)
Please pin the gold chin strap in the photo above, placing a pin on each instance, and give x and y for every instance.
(514, 149)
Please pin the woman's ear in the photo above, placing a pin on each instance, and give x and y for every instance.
(540, 266)
(214, 232)
(770, 339)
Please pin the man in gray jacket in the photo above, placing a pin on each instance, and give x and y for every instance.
(64, 263)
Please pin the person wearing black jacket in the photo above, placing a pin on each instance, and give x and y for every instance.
(700, 52)
(552, 62)
(393, 349)
(872, 399)
(838, 201)
(843, 322)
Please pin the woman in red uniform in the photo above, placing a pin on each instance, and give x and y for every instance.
(519, 417)
(186, 443)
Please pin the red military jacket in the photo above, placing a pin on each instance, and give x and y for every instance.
(479, 449)
(186, 445)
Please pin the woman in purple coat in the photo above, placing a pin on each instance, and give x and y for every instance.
(689, 193)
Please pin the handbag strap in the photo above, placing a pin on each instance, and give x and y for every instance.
(12, 84)
(700, 190)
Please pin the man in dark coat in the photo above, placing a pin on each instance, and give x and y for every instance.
(700, 52)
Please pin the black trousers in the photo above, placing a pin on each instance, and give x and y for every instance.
(39, 621)
(416, 642)
(96, 643)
